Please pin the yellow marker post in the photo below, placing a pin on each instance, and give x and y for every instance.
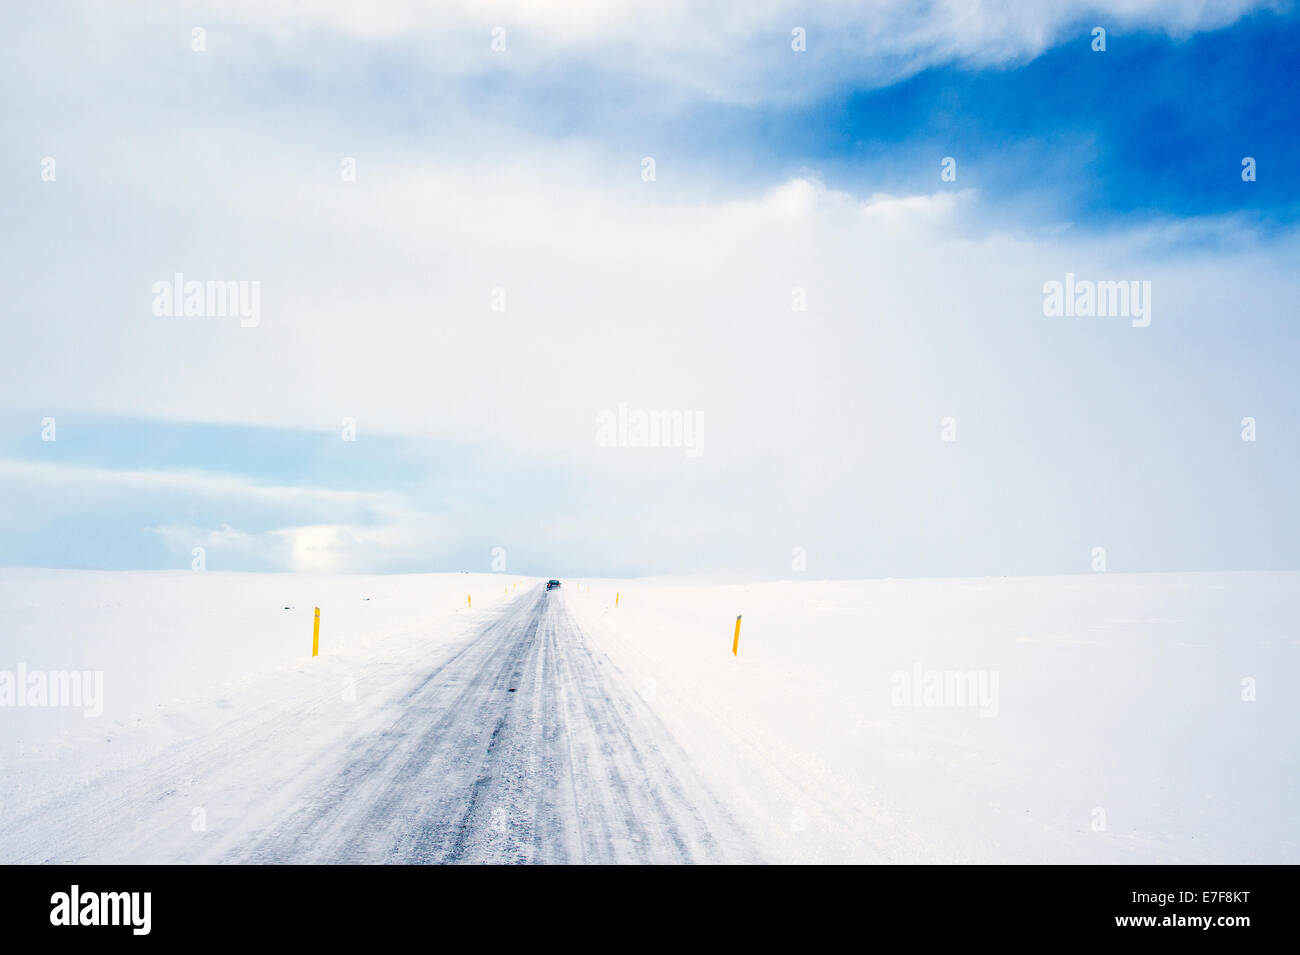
(735, 642)
(315, 635)
(468, 602)
(616, 600)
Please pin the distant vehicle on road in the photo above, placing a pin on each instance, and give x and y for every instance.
(552, 585)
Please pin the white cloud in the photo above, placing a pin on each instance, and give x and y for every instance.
(736, 52)
(376, 302)
(190, 481)
(263, 527)
(376, 294)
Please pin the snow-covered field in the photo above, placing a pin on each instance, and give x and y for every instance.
(1122, 694)
(1108, 718)
(166, 639)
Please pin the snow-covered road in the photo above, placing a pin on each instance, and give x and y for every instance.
(515, 745)
(516, 748)
(1137, 718)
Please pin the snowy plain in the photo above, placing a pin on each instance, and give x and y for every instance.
(1125, 718)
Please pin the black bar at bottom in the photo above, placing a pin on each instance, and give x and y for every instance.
(332, 904)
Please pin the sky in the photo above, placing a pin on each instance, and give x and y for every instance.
(484, 234)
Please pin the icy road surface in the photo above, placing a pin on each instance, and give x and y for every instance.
(519, 745)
